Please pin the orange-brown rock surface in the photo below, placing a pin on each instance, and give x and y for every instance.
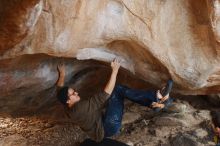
(157, 39)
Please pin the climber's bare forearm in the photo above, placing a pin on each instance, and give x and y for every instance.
(115, 65)
(60, 82)
(111, 83)
(61, 78)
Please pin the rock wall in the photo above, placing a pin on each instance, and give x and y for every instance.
(157, 39)
(28, 82)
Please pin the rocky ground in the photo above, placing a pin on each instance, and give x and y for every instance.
(181, 124)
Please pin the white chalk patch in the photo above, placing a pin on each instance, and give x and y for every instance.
(110, 20)
(44, 72)
(114, 8)
(34, 15)
(62, 40)
(105, 55)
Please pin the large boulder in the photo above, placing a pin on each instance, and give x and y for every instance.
(157, 40)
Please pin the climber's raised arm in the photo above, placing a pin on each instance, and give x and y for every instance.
(115, 65)
(61, 78)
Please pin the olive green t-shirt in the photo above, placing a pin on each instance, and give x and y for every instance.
(87, 114)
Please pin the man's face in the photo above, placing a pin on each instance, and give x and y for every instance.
(72, 97)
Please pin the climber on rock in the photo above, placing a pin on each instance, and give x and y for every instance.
(87, 113)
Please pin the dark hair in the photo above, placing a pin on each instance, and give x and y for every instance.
(62, 94)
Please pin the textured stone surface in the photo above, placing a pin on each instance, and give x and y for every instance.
(60, 131)
(185, 140)
(177, 108)
(130, 117)
(182, 115)
(201, 133)
(169, 121)
(13, 140)
(158, 39)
